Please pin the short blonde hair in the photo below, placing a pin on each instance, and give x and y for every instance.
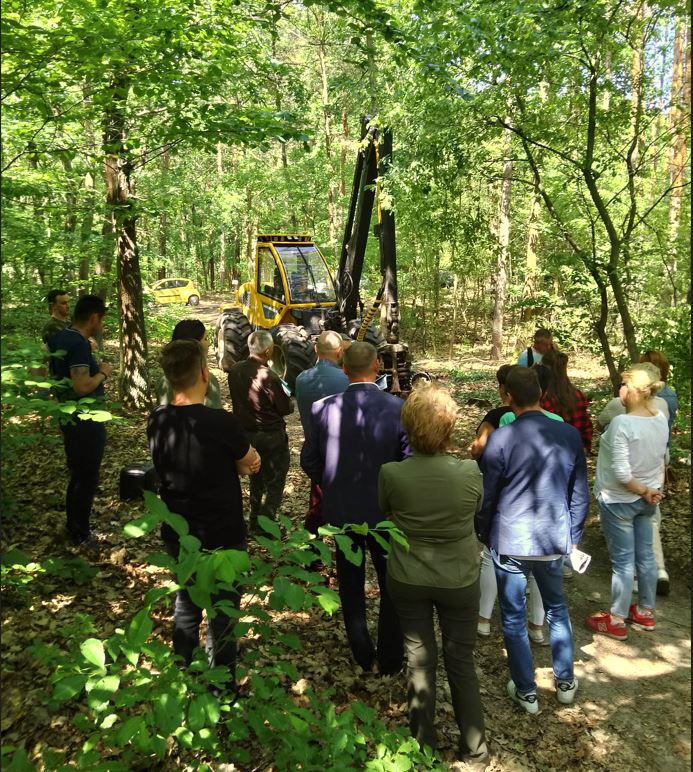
(429, 416)
(644, 378)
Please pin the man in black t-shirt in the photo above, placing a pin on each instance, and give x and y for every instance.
(198, 453)
(85, 441)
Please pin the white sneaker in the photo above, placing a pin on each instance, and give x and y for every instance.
(536, 635)
(566, 690)
(483, 629)
(529, 701)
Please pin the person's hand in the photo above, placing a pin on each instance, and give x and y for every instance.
(106, 369)
(652, 496)
(256, 463)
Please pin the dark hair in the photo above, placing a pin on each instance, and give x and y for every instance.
(560, 390)
(189, 329)
(542, 334)
(53, 295)
(86, 306)
(502, 373)
(543, 374)
(182, 361)
(359, 358)
(522, 384)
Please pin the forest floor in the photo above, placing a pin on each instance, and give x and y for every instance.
(632, 710)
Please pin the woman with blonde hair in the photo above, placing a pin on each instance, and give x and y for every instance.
(628, 487)
(432, 497)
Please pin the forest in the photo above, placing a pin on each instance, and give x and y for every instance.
(539, 177)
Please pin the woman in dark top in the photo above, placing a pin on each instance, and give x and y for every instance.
(489, 422)
(433, 497)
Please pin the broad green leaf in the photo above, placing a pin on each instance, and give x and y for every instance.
(93, 651)
(139, 628)
(346, 544)
(69, 687)
(270, 526)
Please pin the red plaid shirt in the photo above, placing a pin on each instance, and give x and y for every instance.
(579, 418)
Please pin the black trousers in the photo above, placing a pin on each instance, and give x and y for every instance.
(187, 617)
(85, 442)
(389, 650)
(458, 611)
(267, 486)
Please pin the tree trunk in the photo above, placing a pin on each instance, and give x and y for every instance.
(679, 126)
(134, 386)
(163, 219)
(331, 188)
(222, 226)
(502, 252)
(529, 289)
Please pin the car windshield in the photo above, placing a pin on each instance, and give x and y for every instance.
(309, 279)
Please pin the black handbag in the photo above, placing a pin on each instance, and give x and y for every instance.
(137, 478)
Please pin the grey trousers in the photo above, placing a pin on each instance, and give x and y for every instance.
(457, 609)
(267, 486)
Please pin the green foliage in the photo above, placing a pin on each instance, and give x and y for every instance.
(137, 700)
(670, 333)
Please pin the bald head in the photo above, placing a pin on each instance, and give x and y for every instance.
(329, 346)
(360, 362)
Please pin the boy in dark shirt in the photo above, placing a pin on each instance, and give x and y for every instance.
(198, 453)
(490, 421)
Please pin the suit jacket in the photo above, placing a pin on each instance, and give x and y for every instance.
(320, 381)
(535, 488)
(351, 435)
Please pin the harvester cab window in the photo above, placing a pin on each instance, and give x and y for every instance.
(309, 278)
(270, 275)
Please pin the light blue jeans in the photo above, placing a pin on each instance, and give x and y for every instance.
(512, 576)
(628, 531)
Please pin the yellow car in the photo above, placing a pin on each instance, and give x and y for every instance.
(175, 291)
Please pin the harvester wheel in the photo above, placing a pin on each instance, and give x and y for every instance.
(231, 336)
(294, 352)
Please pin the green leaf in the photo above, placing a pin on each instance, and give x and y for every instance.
(93, 652)
(352, 553)
(328, 599)
(359, 528)
(129, 730)
(139, 628)
(69, 687)
(400, 538)
(270, 526)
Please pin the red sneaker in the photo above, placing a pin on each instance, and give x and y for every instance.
(644, 621)
(601, 623)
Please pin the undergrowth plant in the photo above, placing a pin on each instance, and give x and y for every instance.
(136, 705)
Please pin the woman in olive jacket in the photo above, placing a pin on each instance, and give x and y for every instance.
(432, 497)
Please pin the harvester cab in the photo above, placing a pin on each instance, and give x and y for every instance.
(294, 295)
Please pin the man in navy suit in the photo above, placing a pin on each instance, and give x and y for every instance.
(350, 436)
(535, 504)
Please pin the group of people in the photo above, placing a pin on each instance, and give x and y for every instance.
(370, 456)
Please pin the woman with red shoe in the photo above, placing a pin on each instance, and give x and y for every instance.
(628, 487)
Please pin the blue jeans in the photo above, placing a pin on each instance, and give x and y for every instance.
(628, 531)
(512, 576)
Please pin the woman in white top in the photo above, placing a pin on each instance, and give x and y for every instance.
(628, 485)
